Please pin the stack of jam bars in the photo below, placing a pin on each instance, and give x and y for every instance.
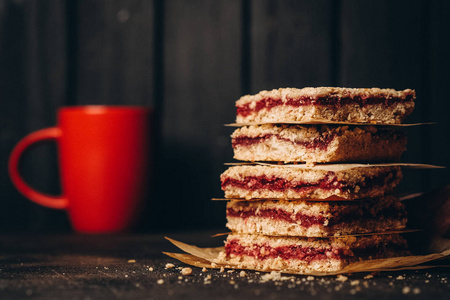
(314, 197)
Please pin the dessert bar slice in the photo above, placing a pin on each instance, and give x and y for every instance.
(324, 143)
(314, 218)
(326, 103)
(307, 254)
(300, 182)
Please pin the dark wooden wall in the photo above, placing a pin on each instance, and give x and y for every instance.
(191, 60)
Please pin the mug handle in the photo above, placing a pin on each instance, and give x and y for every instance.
(53, 133)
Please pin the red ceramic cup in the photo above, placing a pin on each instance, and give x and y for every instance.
(104, 154)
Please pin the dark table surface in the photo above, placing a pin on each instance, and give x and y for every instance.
(133, 267)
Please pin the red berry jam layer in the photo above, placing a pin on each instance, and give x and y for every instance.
(329, 182)
(321, 142)
(308, 221)
(307, 254)
(330, 101)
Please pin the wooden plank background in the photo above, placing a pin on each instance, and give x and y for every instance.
(191, 60)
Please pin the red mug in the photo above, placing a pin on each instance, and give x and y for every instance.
(104, 154)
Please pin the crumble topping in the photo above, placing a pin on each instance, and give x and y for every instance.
(324, 92)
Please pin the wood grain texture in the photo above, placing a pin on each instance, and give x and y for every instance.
(13, 97)
(438, 105)
(201, 82)
(115, 55)
(291, 44)
(34, 36)
(192, 60)
(381, 47)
